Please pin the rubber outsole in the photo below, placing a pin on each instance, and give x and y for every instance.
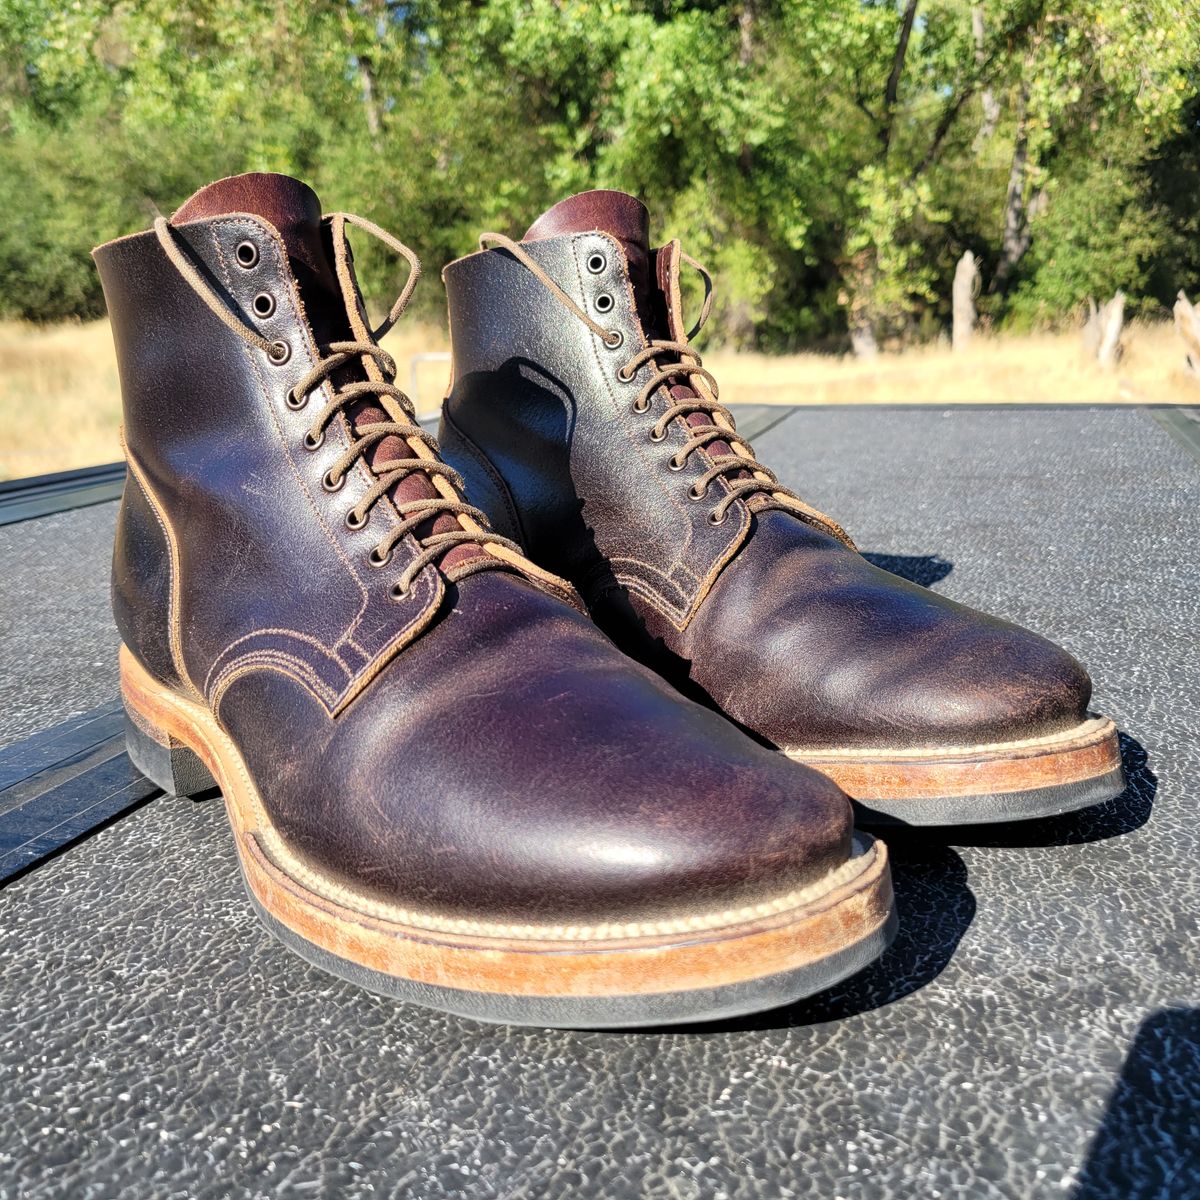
(992, 809)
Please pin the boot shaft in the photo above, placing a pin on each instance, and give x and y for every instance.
(573, 463)
(247, 529)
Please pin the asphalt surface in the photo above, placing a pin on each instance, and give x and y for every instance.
(1034, 1032)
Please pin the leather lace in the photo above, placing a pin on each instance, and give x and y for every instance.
(380, 369)
(672, 360)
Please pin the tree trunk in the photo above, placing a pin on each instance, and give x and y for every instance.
(860, 316)
(891, 92)
(990, 105)
(746, 22)
(1016, 219)
(366, 73)
(1187, 323)
(966, 288)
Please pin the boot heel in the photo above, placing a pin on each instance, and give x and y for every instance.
(165, 761)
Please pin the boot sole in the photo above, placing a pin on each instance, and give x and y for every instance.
(701, 967)
(976, 785)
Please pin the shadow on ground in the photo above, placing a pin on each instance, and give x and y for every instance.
(935, 907)
(925, 569)
(1148, 1144)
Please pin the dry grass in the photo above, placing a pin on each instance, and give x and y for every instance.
(60, 403)
(1042, 368)
(60, 400)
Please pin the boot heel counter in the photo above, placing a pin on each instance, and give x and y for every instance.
(141, 583)
(486, 488)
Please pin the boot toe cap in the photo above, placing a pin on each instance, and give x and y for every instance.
(586, 794)
(1003, 685)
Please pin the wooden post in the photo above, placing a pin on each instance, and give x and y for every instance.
(1112, 317)
(1091, 330)
(1187, 323)
(966, 288)
(1102, 331)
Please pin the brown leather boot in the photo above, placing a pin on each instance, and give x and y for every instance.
(444, 782)
(586, 426)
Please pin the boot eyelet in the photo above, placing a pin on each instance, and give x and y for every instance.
(713, 519)
(604, 303)
(657, 435)
(314, 443)
(641, 406)
(614, 339)
(279, 353)
(673, 464)
(263, 305)
(625, 376)
(597, 263)
(695, 494)
(294, 400)
(397, 592)
(330, 484)
(379, 560)
(356, 523)
(246, 254)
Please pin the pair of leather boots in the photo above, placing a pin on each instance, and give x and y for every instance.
(575, 756)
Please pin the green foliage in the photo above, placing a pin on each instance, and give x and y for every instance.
(1101, 231)
(827, 179)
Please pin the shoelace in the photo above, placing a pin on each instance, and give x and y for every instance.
(380, 368)
(685, 365)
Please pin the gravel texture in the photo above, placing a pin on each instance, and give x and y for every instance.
(1034, 1032)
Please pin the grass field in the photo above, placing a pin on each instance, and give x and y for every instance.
(60, 400)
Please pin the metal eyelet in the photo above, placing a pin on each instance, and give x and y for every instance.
(246, 254)
(314, 443)
(693, 494)
(263, 305)
(641, 406)
(604, 303)
(294, 400)
(656, 436)
(713, 519)
(614, 339)
(279, 353)
(625, 376)
(330, 484)
(379, 560)
(597, 263)
(397, 592)
(356, 523)
(673, 464)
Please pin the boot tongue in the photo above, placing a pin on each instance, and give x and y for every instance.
(294, 210)
(616, 213)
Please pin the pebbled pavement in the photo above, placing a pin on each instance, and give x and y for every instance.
(1034, 1032)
